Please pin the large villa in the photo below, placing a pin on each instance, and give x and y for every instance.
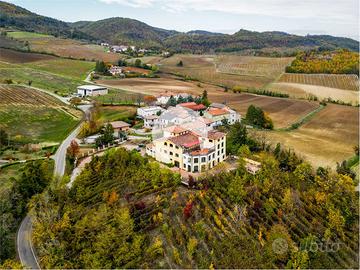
(187, 138)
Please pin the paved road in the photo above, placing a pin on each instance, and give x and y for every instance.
(24, 245)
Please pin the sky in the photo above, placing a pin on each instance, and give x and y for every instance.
(332, 17)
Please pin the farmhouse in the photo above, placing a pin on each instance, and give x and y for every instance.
(176, 116)
(218, 112)
(150, 121)
(147, 111)
(115, 70)
(164, 97)
(91, 90)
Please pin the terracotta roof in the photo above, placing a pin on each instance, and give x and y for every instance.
(175, 129)
(214, 135)
(217, 111)
(201, 152)
(193, 106)
(119, 124)
(187, 140)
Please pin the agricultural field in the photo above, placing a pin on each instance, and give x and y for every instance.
(116, 113)
(66, 47)
(33, 116)
(17, 57)
(24, 35)
(306, 91)
(327, 138)
(270, 67)
(202, 67)
(44, 80)
(282, 111)
(340, 81)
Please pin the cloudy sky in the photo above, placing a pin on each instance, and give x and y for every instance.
(333, 17)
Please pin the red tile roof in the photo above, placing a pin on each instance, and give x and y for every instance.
(214, 135)
(217, 111)
(193, 106)
(187, 140)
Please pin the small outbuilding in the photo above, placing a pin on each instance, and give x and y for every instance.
(91, 90)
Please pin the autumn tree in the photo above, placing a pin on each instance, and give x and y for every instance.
(149, 100)
(73, 150)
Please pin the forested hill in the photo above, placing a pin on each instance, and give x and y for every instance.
(127, 31)
(12, 16)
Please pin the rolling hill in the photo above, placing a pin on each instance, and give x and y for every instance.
(15, 17)
(133, 32)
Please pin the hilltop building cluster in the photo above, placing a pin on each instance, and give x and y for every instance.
(186, 136)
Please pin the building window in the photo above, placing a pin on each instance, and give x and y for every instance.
(171, 145)
(222, 144)
(185, 166)
(213, 155)
(218, 153)
(196, 160)
(171, 153)
(210, 140)
(203, 159)
(177, 147)
(176, 155)
(165, 151)
(222, 151)
(165, 143)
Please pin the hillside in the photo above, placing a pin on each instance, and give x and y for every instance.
(125, 211)
(126, 31)
(133, 32)
(12, 16)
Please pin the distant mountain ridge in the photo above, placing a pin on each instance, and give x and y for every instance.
(133, 32)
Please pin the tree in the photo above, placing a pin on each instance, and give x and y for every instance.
(73, 150)
(150, 100)
(106, 137)
(4, 138)
(204, 98)
(101, 67)
(137, 63)
(30, 82)
(180, 63)
(257, 117)
(171, 102)
(237, 136)
(122, 63)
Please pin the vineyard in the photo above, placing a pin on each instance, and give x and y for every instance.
(252, 66)
(230, 220)
(340, 81)
(30, 115)
(202, 67)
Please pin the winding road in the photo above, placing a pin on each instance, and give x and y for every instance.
(24, 245)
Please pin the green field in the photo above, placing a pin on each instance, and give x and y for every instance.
(116, 113)
(71, 68)
(36, 124)
(41, 79)
(22, 35)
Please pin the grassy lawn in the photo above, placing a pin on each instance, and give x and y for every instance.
(41, 79)
(22, 34)
(36, 124)
(115, 113)
(72, 68)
